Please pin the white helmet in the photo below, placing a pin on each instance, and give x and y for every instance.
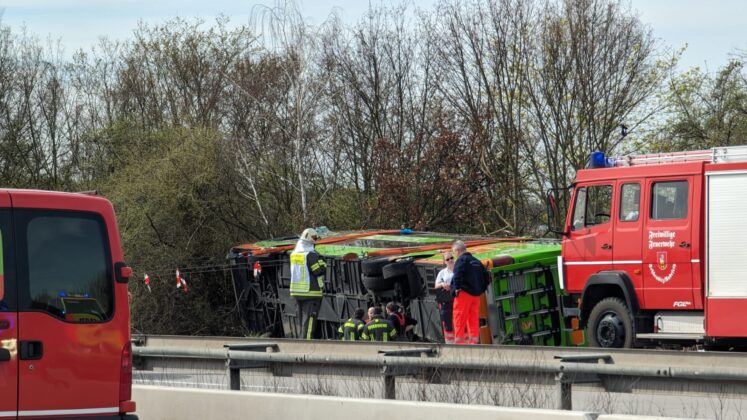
(309, 235)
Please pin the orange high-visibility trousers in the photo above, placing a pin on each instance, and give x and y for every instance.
(466, 319)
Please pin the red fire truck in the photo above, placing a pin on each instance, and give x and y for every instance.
(64, 318)
(654, 248)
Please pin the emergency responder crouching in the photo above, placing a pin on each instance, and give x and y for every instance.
(307, 282)
(379, 329)
(352, 328)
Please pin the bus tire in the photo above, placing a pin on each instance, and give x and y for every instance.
(372, 267)
(396, 269)
(377, 283)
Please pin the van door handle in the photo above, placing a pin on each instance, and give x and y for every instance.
(31, 350)
(4, 355)
(606, 246)
(684, 244)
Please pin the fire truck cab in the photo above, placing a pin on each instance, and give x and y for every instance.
(653, 248)
(65, 346)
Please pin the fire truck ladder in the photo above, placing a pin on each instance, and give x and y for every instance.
(714, 155)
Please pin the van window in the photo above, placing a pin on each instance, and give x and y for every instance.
(669, 200)
(598, 204)
(579, 209)
(592, 207)
(68, 264)
(630, 202)
(7, 280)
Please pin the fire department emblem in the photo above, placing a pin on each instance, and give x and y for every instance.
(661, 264)
(661, 258)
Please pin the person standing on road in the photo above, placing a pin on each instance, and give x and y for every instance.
(444, 298)
(397, 318)
(467, 284)
(307, 282)
(352, 328)
(379, 329)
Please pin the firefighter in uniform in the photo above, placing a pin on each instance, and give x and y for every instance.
(379, 329)
(352, 328)
(307, 282)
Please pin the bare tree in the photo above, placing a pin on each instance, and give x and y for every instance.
(593, 67)
(483, 48)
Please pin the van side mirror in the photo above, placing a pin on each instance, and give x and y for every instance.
(552, 206)
(553, 213)
(122, 272)
(4, 355)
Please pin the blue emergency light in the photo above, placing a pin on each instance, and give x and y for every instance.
(599, 160)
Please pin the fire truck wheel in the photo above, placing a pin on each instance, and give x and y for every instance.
(372, 266)
(611, 324)
(377, 284)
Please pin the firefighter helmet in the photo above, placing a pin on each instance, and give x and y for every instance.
(309, 235)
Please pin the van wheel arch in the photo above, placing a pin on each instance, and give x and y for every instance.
(608, 284)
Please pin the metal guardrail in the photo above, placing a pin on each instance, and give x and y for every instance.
(429, 364)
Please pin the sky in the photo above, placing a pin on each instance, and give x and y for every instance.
(712, 30)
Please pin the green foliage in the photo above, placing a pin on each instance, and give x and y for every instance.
(173, 196)
(167, 193)
(704, 110)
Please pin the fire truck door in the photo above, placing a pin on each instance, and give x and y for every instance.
(667, 243)
(628, 233)
(588, 248)
(8, 317)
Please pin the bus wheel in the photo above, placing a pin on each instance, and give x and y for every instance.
(611, 324)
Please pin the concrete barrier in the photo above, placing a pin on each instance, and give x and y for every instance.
(166, 403)
(163, 403)
(628, 417)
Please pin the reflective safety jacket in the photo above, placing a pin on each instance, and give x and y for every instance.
(379, 330)
(307, 274)
(351, 330)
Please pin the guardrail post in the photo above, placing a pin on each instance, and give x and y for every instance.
(390, 373)
(390, 387)
(563, 394)
(235, 366)
(234, 378)
(564, 383)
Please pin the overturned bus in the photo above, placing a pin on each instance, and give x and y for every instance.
(525, 305)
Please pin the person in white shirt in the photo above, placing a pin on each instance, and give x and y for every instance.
(444, 298)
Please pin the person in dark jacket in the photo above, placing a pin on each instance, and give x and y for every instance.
(397, 318)
(404, 324)
(352, 328)
(468, 283)
(379, 329)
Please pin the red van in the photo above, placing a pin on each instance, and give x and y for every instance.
(64, 316)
